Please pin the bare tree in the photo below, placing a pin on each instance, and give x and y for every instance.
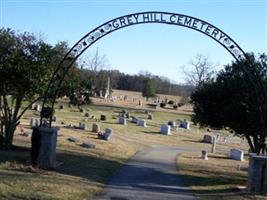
(201, 70)
(92, 69)
(95, 62)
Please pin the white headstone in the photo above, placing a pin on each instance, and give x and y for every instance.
(33, 106)
(141, 122)
(165, 129)
(34, 122)
(172, 124)
(38, 108)
(204, 155)
(236, 154)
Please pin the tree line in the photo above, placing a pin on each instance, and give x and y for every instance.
(234, 99)
(97, 81)
(26, 67)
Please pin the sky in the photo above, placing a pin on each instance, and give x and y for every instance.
(156, 48)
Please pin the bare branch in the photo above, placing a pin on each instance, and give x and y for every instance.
(201, 70)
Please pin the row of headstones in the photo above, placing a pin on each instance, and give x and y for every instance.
(102, 135)
(34, 122)
(235, 154)
(183, 124)
(137, 121)
(166, 128)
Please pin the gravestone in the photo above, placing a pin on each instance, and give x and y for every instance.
(38, 108)
(82, 126)
(213, 147)
(122, 115)
(185, 124)
(141, 122)
(165, 129)
(257, 174)
(54, 118)
(33, 106)
(124, 111)
(122, 121)
(150, 116)
(73, 139)
(204, 155)
(103, 117)
(47, 155)
(107, 133)
(96, 128)
(34, 122)
(88, 145)
(207, 139)
(134, 119)
(237, 154)
(172, 124)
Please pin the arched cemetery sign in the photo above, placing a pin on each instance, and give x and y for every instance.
(129, 20)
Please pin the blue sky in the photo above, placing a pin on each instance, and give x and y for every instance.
(159, 49)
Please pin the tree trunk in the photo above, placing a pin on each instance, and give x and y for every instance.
(250, 143)
(257, 144)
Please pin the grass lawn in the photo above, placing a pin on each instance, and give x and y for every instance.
(216, 178)
(82, 172)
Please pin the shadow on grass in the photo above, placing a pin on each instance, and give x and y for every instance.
(193, 141)
(93, 168)
(82, 165)
(16, 153)
(152, 132)
(99, 169)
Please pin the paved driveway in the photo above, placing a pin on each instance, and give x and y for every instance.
(149, 175)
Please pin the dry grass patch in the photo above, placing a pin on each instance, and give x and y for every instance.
(83, 172)
(216, 178)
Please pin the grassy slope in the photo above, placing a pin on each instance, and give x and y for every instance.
(83, 172)
(216, 178)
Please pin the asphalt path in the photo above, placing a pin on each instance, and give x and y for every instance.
(149, 175)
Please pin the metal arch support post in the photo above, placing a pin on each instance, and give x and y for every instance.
(133, 19)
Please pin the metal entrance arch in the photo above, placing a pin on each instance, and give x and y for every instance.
(129, 20)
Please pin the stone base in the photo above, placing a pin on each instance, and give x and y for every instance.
(257, 174)
(46, 147)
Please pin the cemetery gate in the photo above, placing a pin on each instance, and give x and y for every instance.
(129, 20)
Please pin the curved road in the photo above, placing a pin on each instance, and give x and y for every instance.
(149, 175)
